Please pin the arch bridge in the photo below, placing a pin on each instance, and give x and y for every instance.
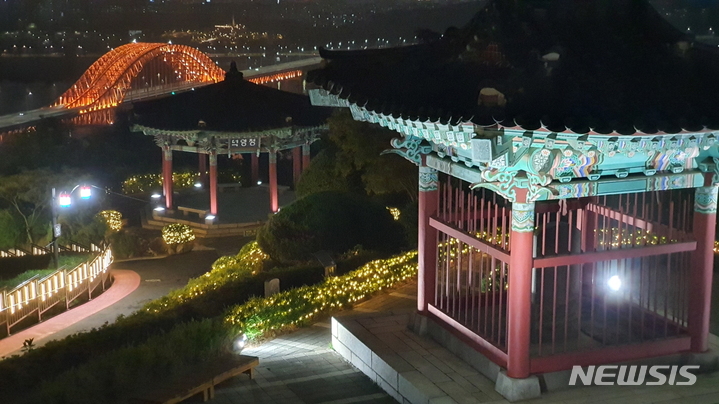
(110, 78)
(141, 70)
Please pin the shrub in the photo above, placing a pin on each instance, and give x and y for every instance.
(295, 307)
(126, 244)
(142, 183)
(131, 370)
(322, 175)
(207, 296)
(112, 218)
(331, 221)
(11, 229)
(224, 271)
(177, 233)
(178, 237)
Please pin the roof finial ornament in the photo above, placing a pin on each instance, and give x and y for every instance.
(233, 74)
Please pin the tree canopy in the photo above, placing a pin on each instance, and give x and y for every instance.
(25, 203)
(353, 161)
(333, 221)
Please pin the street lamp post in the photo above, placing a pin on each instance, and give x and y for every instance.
(55, 231)
(63, 200)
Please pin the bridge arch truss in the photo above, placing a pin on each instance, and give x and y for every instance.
(107, 81)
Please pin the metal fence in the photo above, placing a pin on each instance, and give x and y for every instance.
(641, 242)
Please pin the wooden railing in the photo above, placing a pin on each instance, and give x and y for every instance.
(37, 295)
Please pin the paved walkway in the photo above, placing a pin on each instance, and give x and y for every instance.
(158, 276)
(302, 367)
(124, 284)
(136, 283)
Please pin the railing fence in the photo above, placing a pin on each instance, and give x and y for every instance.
(36, 296)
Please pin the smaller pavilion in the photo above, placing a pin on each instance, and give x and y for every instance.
(232, 117)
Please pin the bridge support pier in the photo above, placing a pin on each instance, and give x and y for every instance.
(274, 200)
(167, 176)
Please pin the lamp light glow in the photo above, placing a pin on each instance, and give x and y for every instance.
(159, 209)
(85, 192)
(614, 283)
(64, 200)
(155, 196)
(210, 217)
(198, 185)
(259, 182)
(239, 343)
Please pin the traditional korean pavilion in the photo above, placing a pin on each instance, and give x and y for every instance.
(568, 188)
(232, 117)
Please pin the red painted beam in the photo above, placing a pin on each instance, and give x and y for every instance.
(466, 335)
(428, 201)
(213, 183)
(700, 280)
(656, 228)
(470, 240)
(274, 201)
(620, 253)
(167, 176)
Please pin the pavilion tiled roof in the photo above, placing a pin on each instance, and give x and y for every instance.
(582, 66)
(232, 105)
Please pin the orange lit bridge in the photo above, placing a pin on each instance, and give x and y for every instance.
(139, 71)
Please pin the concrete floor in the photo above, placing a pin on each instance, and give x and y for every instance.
(239, 206)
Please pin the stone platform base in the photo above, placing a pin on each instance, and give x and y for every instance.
(152, 220)
(430, 365)
(410, 368)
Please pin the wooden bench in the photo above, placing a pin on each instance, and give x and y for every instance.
(186, 211)
(201, 380)
(230, 186)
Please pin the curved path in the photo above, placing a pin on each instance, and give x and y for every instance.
(125, 282)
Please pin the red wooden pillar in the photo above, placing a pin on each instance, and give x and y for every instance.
(255, 168)
(296, 164)
(427, 237)
(305, 156)
(520, 287)
(203, 169)
(700, 278)
(274, 202)
(213, 182)
(167, 176)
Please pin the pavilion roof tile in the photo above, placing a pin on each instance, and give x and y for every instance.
(601, 66)
(232, 105)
